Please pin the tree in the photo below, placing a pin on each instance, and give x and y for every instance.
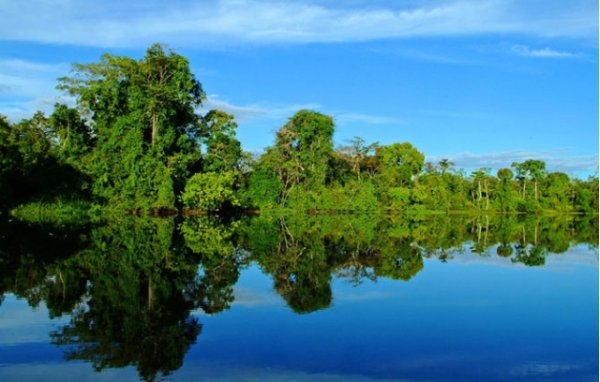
(223, 151)
(400, 163)
(356, 153)
(74, 135)
(210, 190)
(142, 114)
(302, 151)
(533, 170)
(444, 165)
(481, 187)
(556, 191)
(504, 195)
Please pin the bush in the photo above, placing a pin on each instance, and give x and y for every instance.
(211, 190)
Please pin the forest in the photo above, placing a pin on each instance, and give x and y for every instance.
(135, 141)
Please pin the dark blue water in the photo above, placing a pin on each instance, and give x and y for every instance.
(471, 318)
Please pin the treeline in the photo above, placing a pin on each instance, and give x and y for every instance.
(303, 170)
(136, 141)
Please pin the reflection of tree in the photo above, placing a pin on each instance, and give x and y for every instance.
(400, 260)
(131, 284)
(220, 261)
(529, 255)
(31, 264)
(504, 250)
(135, 312)
(359, 263)
(298, 255)
(300, 268)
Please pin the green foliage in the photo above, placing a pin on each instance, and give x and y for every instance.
(210, 190)
(214, 242)
(142, 115)
(302, 151)
(75, 137)
(223, 151)
(262, 190)
(58, 212)
(400, 163)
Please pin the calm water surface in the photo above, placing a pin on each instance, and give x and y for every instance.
(301, 299)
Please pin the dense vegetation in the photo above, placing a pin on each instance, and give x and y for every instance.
(135, 141)
(129, 286)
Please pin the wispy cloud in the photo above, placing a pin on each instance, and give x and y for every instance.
(524, 50)
(556, 160)
(241, 113)
(116, 23)
(27, 78)
(369, 119)
(28, 86)
(266, 111)
(254, 111)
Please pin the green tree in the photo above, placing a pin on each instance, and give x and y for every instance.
(505, 195)
(223, 150)
(400, 163)
(356, 152)
(481, 187)
(302, 151)
(142, 114)
(532, 170)
(445, 165)
(211, 190)
(75, 137)
(556, 191)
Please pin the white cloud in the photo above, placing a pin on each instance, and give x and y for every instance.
(254, 111)
(556, 160)
(122, 24)
(241, 113)
(524, 50)
(279, 112)
(369, 119)
(23, 78)
(253, 297)
(28, 86)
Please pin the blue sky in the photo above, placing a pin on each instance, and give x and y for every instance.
(484, 83)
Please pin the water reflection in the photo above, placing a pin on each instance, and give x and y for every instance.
(128, 287)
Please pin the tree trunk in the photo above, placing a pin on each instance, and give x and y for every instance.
(154, 129)
(150, 297)
(487, 196)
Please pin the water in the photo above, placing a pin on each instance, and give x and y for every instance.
(326, 298)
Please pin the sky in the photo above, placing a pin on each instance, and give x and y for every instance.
(483, 83)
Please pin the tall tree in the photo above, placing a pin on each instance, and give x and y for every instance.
(223, 150)
(356, 152)
(444, 165)
(533, 170)
(400, 163)
(142, 113)
(302, 151)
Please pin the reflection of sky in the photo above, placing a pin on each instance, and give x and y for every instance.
(460, 320)
(21, 324)
(452, 321)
